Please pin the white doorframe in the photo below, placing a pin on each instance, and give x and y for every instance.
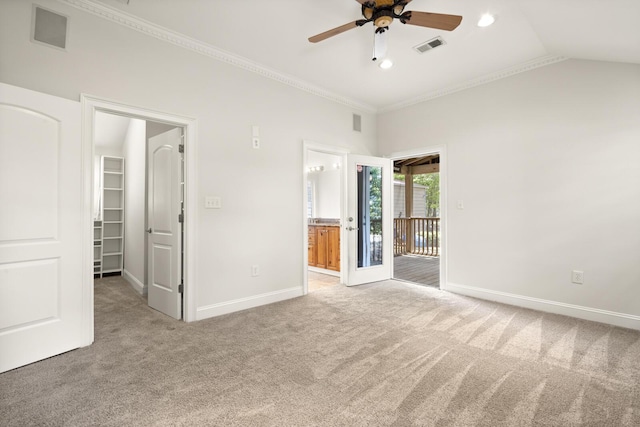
(442, 151)
(336, 151)
(92, 104)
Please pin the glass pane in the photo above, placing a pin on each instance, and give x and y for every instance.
(369, 215)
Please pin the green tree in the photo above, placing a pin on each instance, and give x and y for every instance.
(432, 182)
(375, 198)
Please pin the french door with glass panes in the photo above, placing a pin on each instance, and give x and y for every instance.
(368, 220)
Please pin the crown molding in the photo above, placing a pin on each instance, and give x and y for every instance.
(488, 78)
(183, 41)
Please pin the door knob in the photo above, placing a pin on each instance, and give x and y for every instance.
(149, 231)
(351, 228)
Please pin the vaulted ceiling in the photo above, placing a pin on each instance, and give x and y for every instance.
(526, 34)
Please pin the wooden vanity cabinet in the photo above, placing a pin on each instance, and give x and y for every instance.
(324, 247)
(333, 248)
(321, 246)
(312, 245)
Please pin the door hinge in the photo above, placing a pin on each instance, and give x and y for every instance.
(180, 218)
(180, 288)
(181, 148)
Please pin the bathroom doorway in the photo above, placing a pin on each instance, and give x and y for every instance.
(323, 217)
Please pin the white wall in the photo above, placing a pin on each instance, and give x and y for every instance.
(546, 163)
(326, 184)
(134, 152)
(261, 221)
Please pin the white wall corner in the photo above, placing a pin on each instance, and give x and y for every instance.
(137, 285)
(248, 302)
(587, 313)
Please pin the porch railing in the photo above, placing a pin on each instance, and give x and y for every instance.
(376, 242)
(425, 232)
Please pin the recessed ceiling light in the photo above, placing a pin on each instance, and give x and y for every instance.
(486, 20)
(386, 64)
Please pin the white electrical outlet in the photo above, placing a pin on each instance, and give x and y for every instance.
(256, 142)
(255, 270)
(577, 277)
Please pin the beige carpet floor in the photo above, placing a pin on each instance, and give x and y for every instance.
(388, 353)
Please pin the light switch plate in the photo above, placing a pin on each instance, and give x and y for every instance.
(212, 202)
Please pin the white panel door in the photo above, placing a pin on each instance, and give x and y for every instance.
(40, 226)
(368, 222)
(165, 231)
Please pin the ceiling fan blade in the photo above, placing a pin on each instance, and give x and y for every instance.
(364, 1)
(435, 20)
(334, 32)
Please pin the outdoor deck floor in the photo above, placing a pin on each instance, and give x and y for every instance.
(418, 269)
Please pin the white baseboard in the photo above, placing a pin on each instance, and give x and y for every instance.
(137, 285)
(324, 271)
(580, 312)
(248, 302)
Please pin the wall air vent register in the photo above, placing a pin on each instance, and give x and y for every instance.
(49, 28)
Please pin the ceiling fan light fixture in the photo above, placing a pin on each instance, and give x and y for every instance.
(383, 21)
(380, 44)
(398, 9)
(486, 20)
(367, 12)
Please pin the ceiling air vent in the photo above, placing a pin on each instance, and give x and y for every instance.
(428, 45)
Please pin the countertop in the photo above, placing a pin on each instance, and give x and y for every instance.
(324, 222)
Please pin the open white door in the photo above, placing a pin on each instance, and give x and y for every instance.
(164, 228)
(368, 222)
(41, 219)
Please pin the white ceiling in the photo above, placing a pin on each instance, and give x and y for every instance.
(274, 34)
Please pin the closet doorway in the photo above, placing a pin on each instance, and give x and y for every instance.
(139, 207)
